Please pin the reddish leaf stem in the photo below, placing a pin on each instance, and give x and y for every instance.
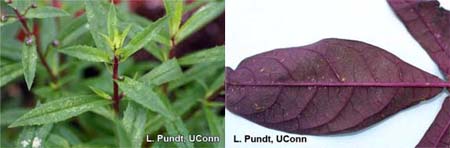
(42, 58)
(172, 48)
(22, 21)
(215, 93)
(115, 77)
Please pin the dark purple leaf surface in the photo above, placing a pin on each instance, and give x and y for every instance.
(438, 135)
(331, 86)
(429, 24)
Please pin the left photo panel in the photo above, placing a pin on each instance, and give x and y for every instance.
(112, 73)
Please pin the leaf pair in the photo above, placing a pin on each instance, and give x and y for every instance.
(429, 24)
(114, 41)
(337, 86)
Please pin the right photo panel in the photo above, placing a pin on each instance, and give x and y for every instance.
(348, 73)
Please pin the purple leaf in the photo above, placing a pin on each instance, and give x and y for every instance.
(438, 135)
(429, 24)
(331, 86)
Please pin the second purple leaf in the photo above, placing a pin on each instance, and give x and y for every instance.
(438, 135)
(429, 24)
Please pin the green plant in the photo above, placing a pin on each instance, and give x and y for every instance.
(88, 90)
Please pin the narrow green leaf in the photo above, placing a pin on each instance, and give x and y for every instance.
(67, 132)
(153, 47)
(59, 110)
(45, 12)
(97, 21)
(142, 38)
(123, 138)
(175, 128)
(106, 112)
(215, 126)
(87, 53)
(29, 57)
(33, 136)
(216, 54)
(195, 72)
(214, 104)
(100, 93)
(56, 141)
(47, 25)
(199, 19)
(216, 85)
(144, 95)
(25, 138)
(136, 29)
(174, 10)
(135, 117)
(187, 99)
(48, 93)
(168, 71)
(10, 72)
(73, 30)
(112, 20)
(124, 34)
(108, 40)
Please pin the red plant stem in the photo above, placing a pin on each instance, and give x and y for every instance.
(22, 21)
(116, 95)
(215, 93)
(42, 59)
(38, 45)
(349, 84)
(172, 48)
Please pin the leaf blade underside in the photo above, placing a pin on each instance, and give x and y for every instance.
(314, 89)
(429, 24)
(438, 135)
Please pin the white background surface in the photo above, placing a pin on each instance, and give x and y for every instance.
(255, 26)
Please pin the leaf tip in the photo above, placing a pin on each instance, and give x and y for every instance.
(29, 83)
(14, 124)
